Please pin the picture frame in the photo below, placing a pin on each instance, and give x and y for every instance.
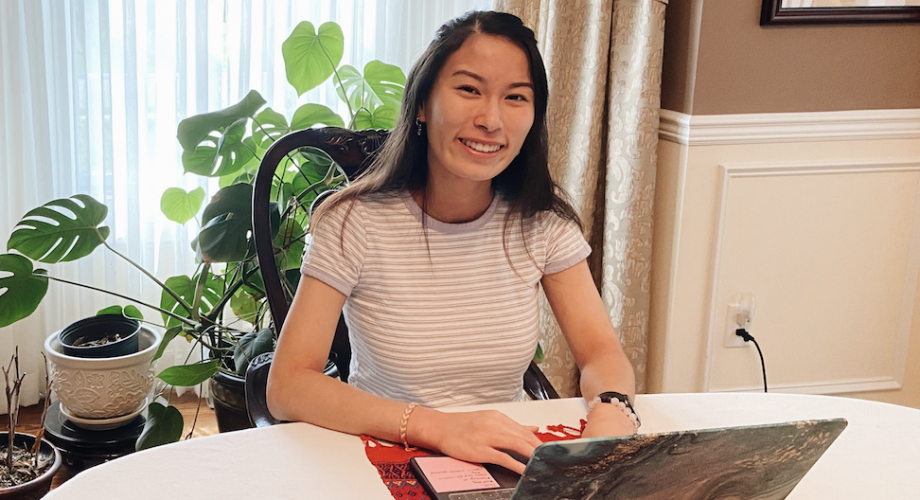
(784, 12)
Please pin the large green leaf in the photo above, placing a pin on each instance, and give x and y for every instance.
(208, 127)
(267, 127)
(251, 345)
(127, 311)
(227, 224)
(381, 117)
(246, 175)
(232, 152)
(46, 234)
(189, 375)
(289, 243)
(317, 159)
(179, 205)
(167, 338)
(184, 287)
(281, 190)
(317, 174)
(163, 426)
(380, 84)
(309, 115)
(23, 291)
(311, 57)
(311, 172)
(244, 305)
(293, 278)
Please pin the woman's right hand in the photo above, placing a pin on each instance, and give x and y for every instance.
(477, 436)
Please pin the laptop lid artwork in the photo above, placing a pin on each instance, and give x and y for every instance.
(762, 462)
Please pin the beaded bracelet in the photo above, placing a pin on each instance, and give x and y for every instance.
(404, 423)
(620, 402)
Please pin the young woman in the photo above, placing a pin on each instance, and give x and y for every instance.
(437, 254)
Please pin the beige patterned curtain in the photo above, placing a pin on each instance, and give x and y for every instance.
(603, 60)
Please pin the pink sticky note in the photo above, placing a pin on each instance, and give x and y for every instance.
(449, 474)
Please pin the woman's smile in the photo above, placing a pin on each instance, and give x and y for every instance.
(481, 147)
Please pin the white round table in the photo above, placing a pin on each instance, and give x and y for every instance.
(876, 457)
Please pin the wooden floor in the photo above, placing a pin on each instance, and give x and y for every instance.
(188, 405)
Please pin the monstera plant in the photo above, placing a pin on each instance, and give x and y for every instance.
(226, 287)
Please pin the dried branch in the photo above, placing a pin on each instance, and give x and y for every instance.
(36, 446)
(12, 405)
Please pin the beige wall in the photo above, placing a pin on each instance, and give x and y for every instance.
(718, 60)
(829, 319)
(833, 257)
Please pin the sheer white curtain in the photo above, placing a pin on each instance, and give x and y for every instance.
(91, 92)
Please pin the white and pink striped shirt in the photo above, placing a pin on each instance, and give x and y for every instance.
(450, 322)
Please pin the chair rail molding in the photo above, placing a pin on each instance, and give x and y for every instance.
(907, 295)
(760, 128)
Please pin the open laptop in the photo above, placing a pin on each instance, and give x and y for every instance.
(763, 462)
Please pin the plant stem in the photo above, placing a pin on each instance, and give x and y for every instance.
(253, 151)
(212, 316)
(164, 311)
(199, 289)
(154, 278)
(355, 118)
(326, 180)
(335, 72)
(262, 128)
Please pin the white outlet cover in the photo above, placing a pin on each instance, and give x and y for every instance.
(731, 324)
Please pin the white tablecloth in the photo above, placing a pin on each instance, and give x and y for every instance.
(876, 457)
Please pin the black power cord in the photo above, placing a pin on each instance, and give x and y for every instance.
(741, 332)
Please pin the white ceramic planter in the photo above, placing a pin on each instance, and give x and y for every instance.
(103, 387)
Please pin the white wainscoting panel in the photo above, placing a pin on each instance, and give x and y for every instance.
(759, 128)
(831, 252)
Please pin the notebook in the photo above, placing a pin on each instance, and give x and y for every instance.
(762, 462)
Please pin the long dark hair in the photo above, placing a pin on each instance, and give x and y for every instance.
(402, 163)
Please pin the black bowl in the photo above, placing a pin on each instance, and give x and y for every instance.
(96, 328)
(38, 487)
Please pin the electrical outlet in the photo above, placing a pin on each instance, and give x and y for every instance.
(732, 323)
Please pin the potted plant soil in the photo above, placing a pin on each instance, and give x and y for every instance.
(27, 463)
(101, 336)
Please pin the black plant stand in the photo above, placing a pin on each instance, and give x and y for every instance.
(82, 448)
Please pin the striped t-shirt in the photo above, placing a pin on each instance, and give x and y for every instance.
(447, 321)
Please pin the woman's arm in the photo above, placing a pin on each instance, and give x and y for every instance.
(586, 326)
(298, 390)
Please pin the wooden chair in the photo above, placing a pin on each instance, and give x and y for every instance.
(353, 151)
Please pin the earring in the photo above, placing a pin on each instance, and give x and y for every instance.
(418, 129)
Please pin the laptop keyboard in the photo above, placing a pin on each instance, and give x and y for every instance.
(502, 494)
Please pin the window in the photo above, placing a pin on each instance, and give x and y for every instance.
(91, 92)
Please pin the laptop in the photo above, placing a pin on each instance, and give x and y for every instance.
(763, 462)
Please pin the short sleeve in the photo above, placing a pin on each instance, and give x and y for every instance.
(335, 249)
(565, 244)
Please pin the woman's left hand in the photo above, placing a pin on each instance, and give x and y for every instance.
(608, 420)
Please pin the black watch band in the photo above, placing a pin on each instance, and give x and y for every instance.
(609, 396)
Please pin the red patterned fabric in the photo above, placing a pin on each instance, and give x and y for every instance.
(392, 461)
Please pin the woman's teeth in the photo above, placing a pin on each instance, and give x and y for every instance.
(482, 148)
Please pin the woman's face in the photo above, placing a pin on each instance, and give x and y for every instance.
(479, 112)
